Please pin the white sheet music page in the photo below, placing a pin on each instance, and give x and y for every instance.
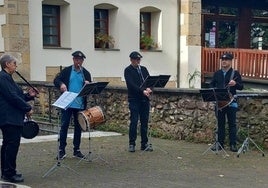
(65, 100)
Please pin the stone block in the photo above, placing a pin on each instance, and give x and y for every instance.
(23, 8)
(12, 7)
(194, 40)
(17, 31)
(17, 45)
(17, 19)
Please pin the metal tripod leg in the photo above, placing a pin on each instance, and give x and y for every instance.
(149, 147)
(245, 146)
(218, 147)
(88, 156)
(58, 163)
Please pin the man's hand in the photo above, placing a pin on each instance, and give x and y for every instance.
(63, 88)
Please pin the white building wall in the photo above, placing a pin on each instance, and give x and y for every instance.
(105, 63)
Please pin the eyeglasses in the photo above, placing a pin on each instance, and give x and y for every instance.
(14, 62)
(138, 59)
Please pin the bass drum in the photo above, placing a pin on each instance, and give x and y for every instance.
(90, 118)
(30, 129)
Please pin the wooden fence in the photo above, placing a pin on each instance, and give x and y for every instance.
(251, 64)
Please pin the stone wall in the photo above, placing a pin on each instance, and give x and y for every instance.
(15, 32)
(175, 113)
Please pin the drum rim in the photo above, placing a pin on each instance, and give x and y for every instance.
(86, 120)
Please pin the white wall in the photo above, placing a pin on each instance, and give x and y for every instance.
(105, 63)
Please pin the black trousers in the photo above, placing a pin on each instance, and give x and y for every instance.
(10, 147)
(230, 114)
(139, 109)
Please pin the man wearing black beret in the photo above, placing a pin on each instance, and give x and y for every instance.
(138, 99)
(230, 79)
(72, 79)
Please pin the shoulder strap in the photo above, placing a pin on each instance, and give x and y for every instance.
(232, 74)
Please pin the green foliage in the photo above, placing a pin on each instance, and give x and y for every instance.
(192, 78)
(147, 42)
(103, 40)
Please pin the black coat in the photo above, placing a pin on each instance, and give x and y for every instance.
(219, 81)
(134, 81)
(64, 77)
(13, 102)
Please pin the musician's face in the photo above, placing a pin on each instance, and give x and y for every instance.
(11, 67)
(78, 61)
(135, 62)
(226, 63)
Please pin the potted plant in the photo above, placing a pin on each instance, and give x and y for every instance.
(103, 40)
(146, 42)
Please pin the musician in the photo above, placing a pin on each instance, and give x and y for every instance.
(72, 78)
(229, 79)
(138, 100)
(13, 109)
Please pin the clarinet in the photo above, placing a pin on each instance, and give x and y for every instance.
(27, 82)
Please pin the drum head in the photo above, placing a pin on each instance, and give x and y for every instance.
(83, 122)
(30, 129)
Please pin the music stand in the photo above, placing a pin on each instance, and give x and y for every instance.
(153, 82)
(245, 145)
(215, 95)
(61, 103)
(90, 89)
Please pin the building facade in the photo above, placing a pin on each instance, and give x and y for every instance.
(42, 34)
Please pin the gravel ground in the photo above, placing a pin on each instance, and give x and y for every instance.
(171, 164)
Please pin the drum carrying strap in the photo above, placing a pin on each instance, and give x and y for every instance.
(231, 77)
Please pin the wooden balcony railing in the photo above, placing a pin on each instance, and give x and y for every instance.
(251, 64)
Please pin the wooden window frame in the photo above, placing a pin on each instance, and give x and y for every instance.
(145, 24)
(57, 26)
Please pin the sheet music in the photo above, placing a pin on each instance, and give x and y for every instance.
(65, 100)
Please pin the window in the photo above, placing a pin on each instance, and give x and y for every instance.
(237, 26)
(51, 25)
(101, 21)
(145, 24)
(101, 32)
(150, 28)
(105, 26)
(259, 36)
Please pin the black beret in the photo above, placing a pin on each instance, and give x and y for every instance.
(135, 55)
(78, 54)
(228, 56)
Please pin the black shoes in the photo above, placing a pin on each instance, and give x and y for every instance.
(131, 148)
(233, 148)
(61, 155)
(17, 178)
(216, 147)
(144, 147)
(78, 154)
(147, 147)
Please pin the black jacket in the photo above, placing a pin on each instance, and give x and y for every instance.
(64, 77)
(134, 81)
(221, 82)
(13, 102)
